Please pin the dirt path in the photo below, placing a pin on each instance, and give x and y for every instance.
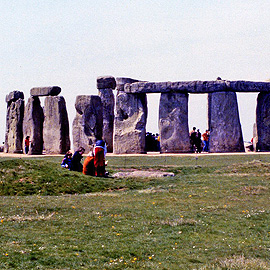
(154, 154)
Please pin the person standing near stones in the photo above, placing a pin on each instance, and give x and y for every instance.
(26, 144)
(205, 137)
(192, 136)
(76, 164)
(100, 151)
(198, 141)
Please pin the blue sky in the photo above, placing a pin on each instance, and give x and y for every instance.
(70, 43)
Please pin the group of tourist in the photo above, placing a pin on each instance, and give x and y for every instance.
(196, 140)
(94, 164)
(152, 142)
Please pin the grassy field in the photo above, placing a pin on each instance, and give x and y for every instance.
(214, 214)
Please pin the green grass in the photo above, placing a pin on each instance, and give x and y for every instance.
(214, 214)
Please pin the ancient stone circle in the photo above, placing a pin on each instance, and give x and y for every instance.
(121, 121)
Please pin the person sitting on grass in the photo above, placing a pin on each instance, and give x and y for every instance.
(88, 164)
(66, 162)
(76, 164)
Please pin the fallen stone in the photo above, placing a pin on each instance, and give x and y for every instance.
(153, 174)
(45, 91)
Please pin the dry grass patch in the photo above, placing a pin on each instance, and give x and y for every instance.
(253, 190)
(178, 222)
(22, 217)
(243, 263)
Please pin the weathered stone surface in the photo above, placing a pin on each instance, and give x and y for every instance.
(121, 81)
(56, 126)
(45, 91)
(129, 123)
(14, 123)
(224, 123)
(263, 122)
(248, 86)
(13, 96)
(33, 125)
(107, 99)
(88, 122)
(104, 82)
(196, 87)
(173, 123)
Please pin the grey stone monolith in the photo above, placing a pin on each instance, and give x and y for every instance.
(173, 123)
(33, 125)
(224, 123)
(130, 123)
(14, 122)
(107, 99)
(56, 126)
(88, 122)
(263, 122)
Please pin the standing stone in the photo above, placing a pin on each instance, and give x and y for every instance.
(173, 123)
(14, 122)
(130, 123)
(224, 123)
(107, 99)
(105, 87)
(88, 122)
(263, 122)
(33, 125)
(56, 126)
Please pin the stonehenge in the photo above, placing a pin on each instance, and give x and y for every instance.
(118, 113)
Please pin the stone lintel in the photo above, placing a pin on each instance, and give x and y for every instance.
(45, 91)
(199, 87)
(14, 95)
(104, 82)
(121, 81)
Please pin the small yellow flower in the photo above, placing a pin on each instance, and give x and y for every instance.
(154, 203)
(73, 207)
(118, 234)
(134, 259)
(113, 227)
(150, 257)
(189, 196)
(2, 220)
(6, 254)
